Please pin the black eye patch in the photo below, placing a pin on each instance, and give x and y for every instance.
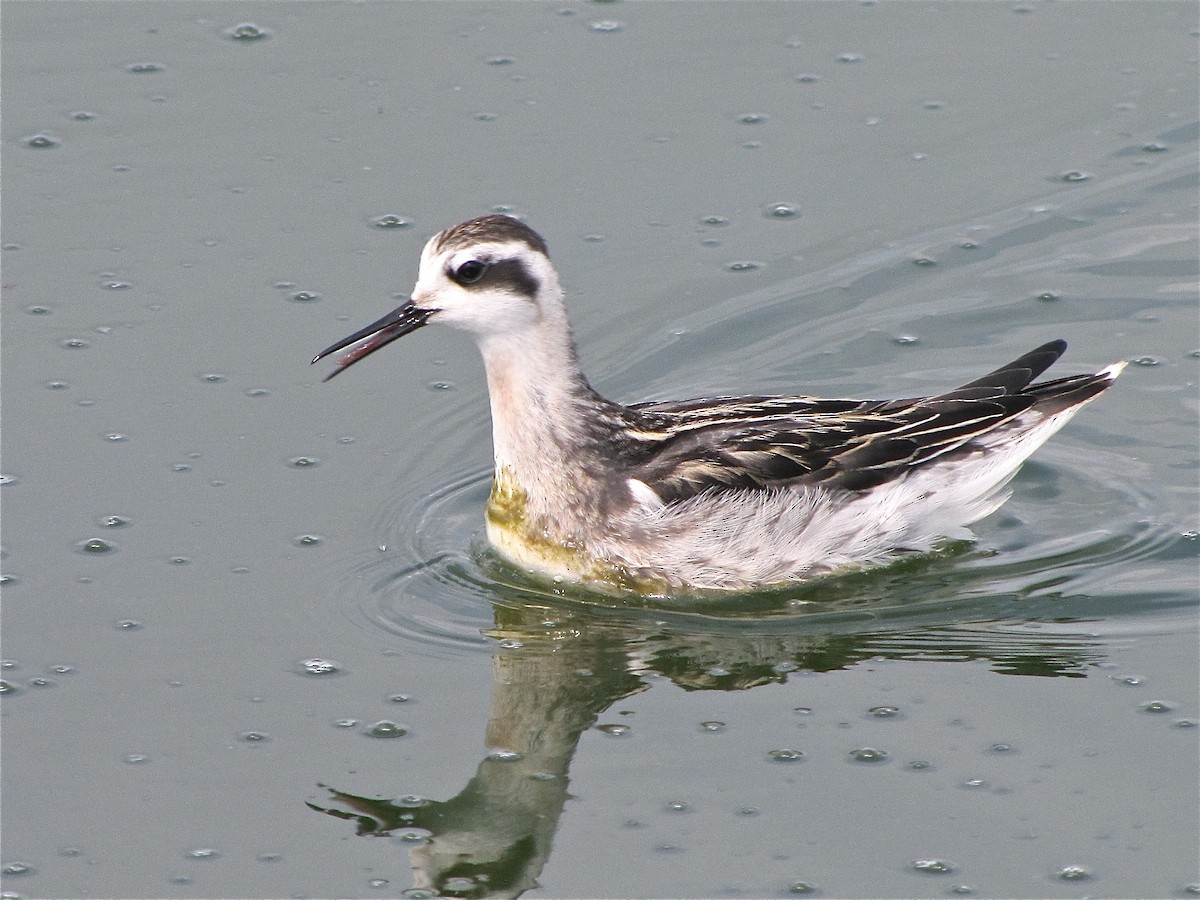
(505, 274)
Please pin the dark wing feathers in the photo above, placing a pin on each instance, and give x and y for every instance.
(757, 442)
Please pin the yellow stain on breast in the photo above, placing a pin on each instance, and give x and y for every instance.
(525, 543)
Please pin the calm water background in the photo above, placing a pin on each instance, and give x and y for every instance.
(841, 199)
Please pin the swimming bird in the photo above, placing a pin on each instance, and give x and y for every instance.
(713, 494)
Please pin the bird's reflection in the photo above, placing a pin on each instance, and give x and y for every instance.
(556, 668)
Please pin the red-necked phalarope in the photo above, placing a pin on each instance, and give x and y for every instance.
(726, 493)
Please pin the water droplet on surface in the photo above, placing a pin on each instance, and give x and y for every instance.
(1147, 361)
(786, 754)
(421, 893)
(808, 78)
(390, 222)
(96, 546)
(606, 26)
(1154, 147)
(377, 883)
(254, 737)
(1049, 297)
(303, 462)
(485, 117)
(678, 806)
(868, 755)
(37, 310)
(75, 344)
(848, 57)
(935, 866)
(501, 755)
(399, 698)
(712, 726)
(613, 729)
(924, 261)
(412, 836)
(510, 644)
(1156, 706)
(305, 297)
(258, 392)
(1002, 748)
(7, 688)
(269, 857)
(962, 889)
(1074, 873)
(752, 118)
(82, 115)
(884, 712)
(319, 666)
(781, 211)
(145, 68)
(385, 728)
(1074, 175)
(179, 560)
(202, 853)
(346, 723)
(137, 759)
(801, 887)
(115, 437)
(906, 340)
(247, 32)
(308, 540)
(114, 522)
(499, 60)
(714, 221)
(41, 142)
(1183, 723)
(743, 265)
(212, 378)
(130, 625)
(18, 868)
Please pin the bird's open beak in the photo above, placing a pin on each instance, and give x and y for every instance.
(397, 323)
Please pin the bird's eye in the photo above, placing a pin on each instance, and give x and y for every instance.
(469, 272)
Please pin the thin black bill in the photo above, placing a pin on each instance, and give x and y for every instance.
(380, 333)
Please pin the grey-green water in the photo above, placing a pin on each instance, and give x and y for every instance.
(925, 190)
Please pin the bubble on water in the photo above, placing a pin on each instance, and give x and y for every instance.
(38, 310)
(75, 344)
(8, 479)
(1048, 297)
(868, 755)
(752, 118)
(976, 783)
(499, 60)
(714, 221)
(485, 117)
(137, 759)
(502, 755)
(1146, 361)
(96, 546)
(934, 866)
(848, 58)
(269, 857)
(145, 68)
(179, 560)
(884, 712)
(808, 78)
(962, 889)
(82, 115)
(114, 522)
(180, 467)
(18, 868)
(399, 698)
(8, 688)
(303, 462)
(391, 222)
(785, 754)
(385, 728)
(906, 340)
(70, 851)
(377, 883)
(1073, 175)
(305, 297)
(319, 666)
(257, 393)
(712, 725)
(116, 285)
(442, 386)
(130, 625)
(933, 104)
(202, 853)
(924, 261)
(511, 644)
(253, 737)
(308, 540)
(614, 729)
(247, 32)
(346, 723)
(678, 806)
(41, 142)
(1154, 147)
(743, 265)
(213, 378)
(1074, 873)
(1183, 723)
(801, 887)
(606, 26)
(543, 776)
(1156, 706)
(1002, 748)
(116, 437)
(412, 836)
(41, 681)
(421, 893)
(1130, 680)
(781, 211)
